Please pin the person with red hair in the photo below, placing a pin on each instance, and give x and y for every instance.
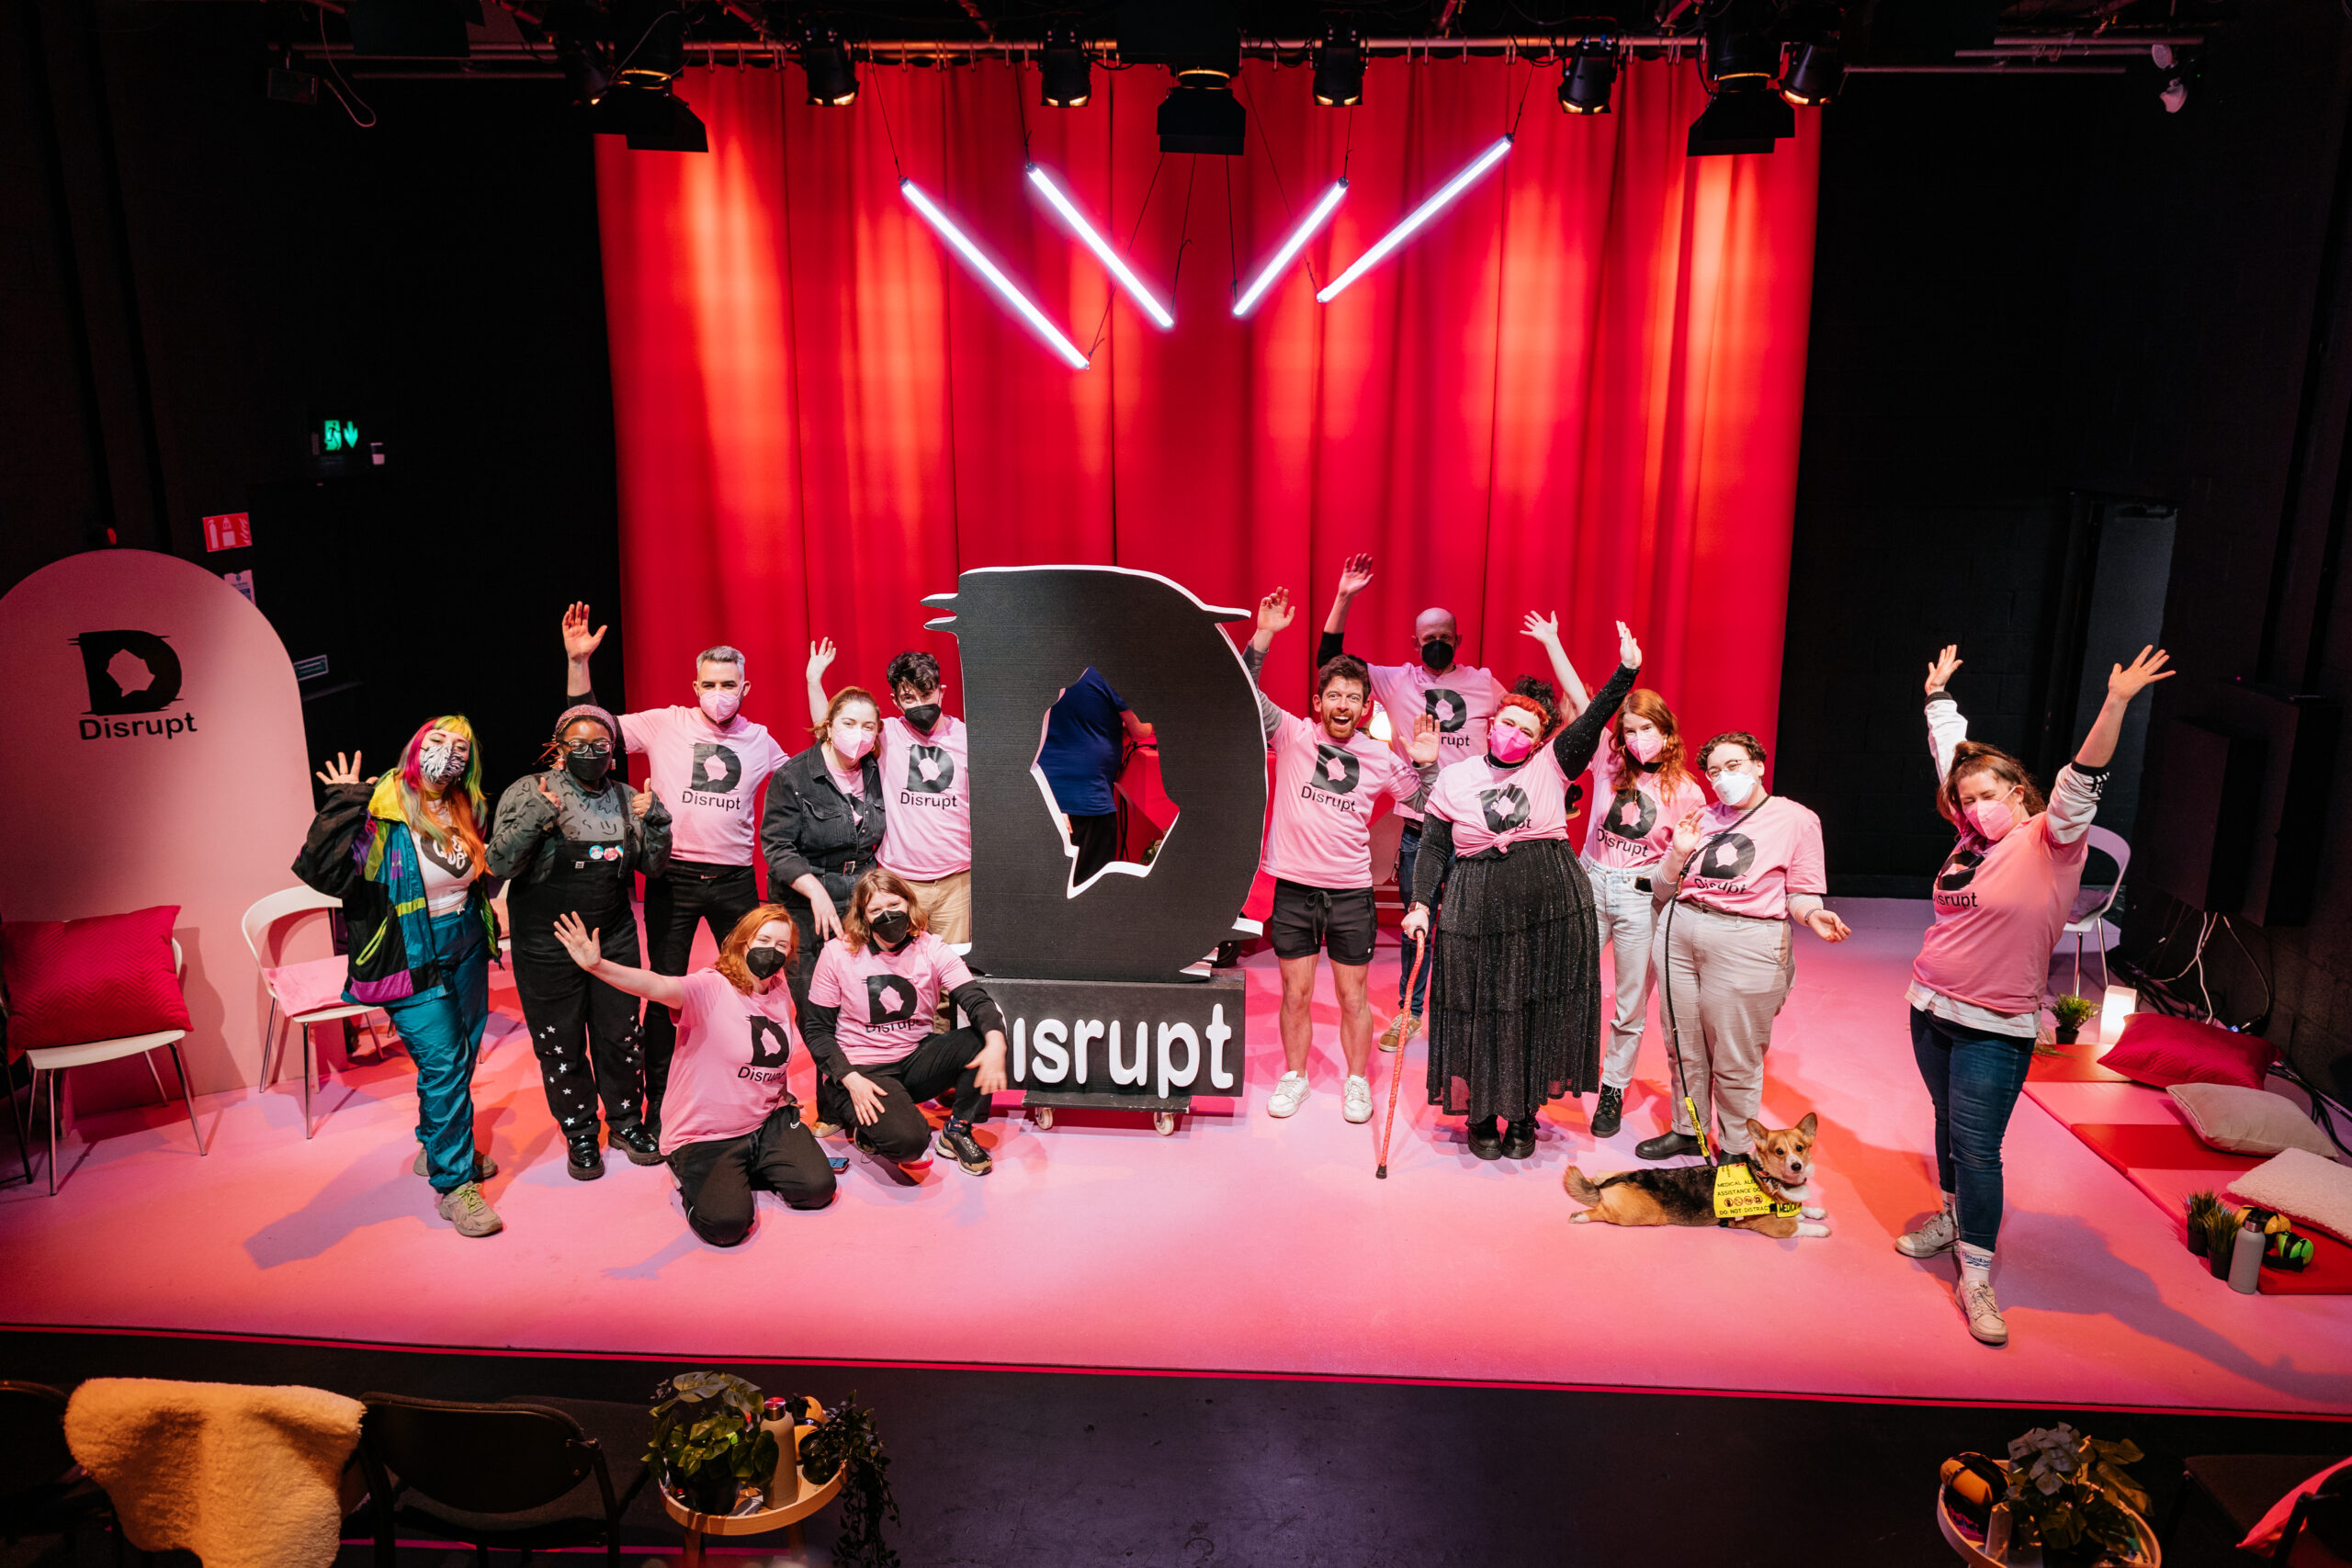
(1514, 1016)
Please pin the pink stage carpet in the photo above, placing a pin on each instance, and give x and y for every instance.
(1239, 1245)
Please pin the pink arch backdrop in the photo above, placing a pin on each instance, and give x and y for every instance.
(1578, 388)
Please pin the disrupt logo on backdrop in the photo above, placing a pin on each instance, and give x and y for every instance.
(131, 673)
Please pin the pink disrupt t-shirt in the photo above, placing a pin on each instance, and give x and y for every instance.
(927, 820)
(1999, 908)
(886, 999)
(707, 776)
(1463, 700)
(1490, 806)
(727, 1073)
(1632, 826)
(1325, 794)
(1751, 869)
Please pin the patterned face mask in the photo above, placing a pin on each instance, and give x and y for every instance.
(442, 759)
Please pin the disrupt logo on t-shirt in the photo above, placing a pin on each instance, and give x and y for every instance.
(454, 858)
(1958, 873)
(890, 999)
(1447, 707)
(1725, 857)
(714, 773)
(1506, 808)
(1631, 816)
(1337, 771)
(131, 673)
(930, 771)
(770, 1046)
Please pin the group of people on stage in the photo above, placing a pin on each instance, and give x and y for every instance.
(866, 836)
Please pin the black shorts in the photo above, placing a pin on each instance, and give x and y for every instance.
(1307, 921)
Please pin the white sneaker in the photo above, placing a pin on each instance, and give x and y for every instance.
(1290, 1093)
(1939, 1235)
(1984, 1314)
(1355, 1099)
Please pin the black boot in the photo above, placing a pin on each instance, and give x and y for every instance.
(641, 1146)
(1609, 1115)
(1519, 1138)
(586, 1163)
(1666, 1145)
(1485, 1142)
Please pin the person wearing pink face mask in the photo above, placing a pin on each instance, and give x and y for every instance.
(707, 763)
(2003, 897)
(822, 829)
(1514, 1017)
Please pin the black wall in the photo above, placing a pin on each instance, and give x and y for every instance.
(190, 273)
(2035, 300)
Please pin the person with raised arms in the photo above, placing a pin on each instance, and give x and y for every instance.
(733, 1128)
(707, 763)
(1329, 778)
(925, 754)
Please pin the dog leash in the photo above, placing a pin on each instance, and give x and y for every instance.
(1396, 1069)
(1673, 1028)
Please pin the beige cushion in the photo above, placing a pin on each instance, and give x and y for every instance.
(2248, 1120)
(2306, 1189)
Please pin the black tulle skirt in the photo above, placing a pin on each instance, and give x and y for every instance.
(1514, 1008)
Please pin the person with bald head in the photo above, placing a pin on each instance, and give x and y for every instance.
(1462, 699)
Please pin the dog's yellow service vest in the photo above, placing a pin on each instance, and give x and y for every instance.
(1737, 1196)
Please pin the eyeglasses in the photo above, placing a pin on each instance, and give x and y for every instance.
(1729, 768)
(589, 749)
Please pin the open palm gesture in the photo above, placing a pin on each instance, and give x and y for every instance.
(578, 642)
(1275, 612)
(1939, 670)
(1355, 575)
(340, 772)
(2126, 682)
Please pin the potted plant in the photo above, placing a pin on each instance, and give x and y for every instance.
(2071, 1012)
(708, 1441)
(2072, 1493)
(2202, 1205)
(845, 1440)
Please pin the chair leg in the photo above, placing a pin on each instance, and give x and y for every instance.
(310, 1076)
(162, 1093)
(2078, 964)
(268, 1040)
(52, 1129)
(22, 1122)
(188, 1094)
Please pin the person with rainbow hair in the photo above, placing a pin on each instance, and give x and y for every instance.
(404, 853)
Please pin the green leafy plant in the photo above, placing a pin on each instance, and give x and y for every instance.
(2074, 1495)
(2200, 1206)
(2220, 1227)
(847, 1441)
(2071, 1012)
(708, 1441)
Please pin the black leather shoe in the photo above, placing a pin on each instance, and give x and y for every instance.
(586, 1163)
(1666, 1145)
(956, 1141)
(1485, 1142)
(1519, 1138)
(1609, 1115)
(637, 1144)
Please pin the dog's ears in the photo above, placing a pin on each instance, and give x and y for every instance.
(1758, 1130)
(1807, 1126)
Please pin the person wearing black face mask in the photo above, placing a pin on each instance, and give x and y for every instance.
(569, 841)
(923, 752)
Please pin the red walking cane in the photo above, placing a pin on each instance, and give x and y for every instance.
(1396, 1069)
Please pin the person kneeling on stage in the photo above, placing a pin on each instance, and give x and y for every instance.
(571, 840)
(1514, 1015)
(875, 990)
(730, 1125)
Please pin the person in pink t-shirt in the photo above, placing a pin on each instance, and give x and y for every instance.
(707, 763)
(927, 814)
(877, 989)
(1329, 780)
(733, 1128)
(2005, 893)
(1737, 876)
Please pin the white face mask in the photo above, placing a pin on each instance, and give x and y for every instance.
(1733, 788)
(720, 707)
(1994, 818)
(442, 759)
(852, 742)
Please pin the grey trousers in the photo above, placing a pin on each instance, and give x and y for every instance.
(1627, 922)
(1725, 978)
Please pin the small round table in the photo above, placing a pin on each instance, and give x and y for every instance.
(785, 1517)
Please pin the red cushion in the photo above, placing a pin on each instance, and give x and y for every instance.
(2161, 1051)
(74, 982)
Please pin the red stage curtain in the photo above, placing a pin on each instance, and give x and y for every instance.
(1577, 389)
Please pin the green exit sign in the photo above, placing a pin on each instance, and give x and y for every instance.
(338, 435)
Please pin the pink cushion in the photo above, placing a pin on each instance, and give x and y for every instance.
(309, 986)
(75, 982)
(2161, 1052)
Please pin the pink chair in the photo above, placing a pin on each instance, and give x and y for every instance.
(308, 993)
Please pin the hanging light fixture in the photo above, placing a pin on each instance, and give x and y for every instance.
(824, 59)
(1338, 68)
(1066, 74)
(1112, 261)
(1420, 216)
(1300, 233)
(979, 262)
(1591, 72)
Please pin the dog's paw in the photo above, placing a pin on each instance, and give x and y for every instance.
(1809, 1227)
(1581, 1217)
(1813, 1214)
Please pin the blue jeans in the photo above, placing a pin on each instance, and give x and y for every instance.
(1408, 848)
(443, 1034)
(1974, 1078)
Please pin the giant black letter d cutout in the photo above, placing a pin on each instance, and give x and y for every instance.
(1028, 632)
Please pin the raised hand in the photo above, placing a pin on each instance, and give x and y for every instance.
(1544, 630)
(340, 772)
(1940, 668)
(1629, 652)
(578, 941)
(1355, 575)
(2144, 672)
(1275, 612)
(640, 800)
(821, 654)
(578, 642)
(1423, 746)
(1688, 834)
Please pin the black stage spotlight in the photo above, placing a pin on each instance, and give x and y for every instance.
(1202, 119)
(1592, 72)
(825, 60)
(1062, 63)
(1745, 115)
(654, 119)
(1817, 74)
(651, 39)
(1338, 68)
(582, 63)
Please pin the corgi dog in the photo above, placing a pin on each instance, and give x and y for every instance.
(1761, 1191)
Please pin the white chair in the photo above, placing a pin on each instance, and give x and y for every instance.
(2088, 918)
(54, 1059)
(257, 923)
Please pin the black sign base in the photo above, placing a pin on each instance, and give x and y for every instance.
(1140, 1045)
